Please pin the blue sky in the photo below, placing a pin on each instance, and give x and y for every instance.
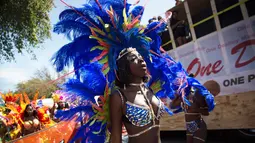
(24, 67)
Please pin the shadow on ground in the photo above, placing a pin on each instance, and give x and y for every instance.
(215, 136)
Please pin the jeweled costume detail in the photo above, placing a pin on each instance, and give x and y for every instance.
(141, 116)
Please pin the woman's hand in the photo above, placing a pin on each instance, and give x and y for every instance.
(176, 102)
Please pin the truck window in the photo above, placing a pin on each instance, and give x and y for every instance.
(199, 11)
(166, 44)
(230, 17)
(250, 7)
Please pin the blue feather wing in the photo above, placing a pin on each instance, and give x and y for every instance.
(91, 82)
(152, 30)
(93, 78)
(165, 68)
(68, 115)
(71, 29)
(136, 11)
(70, 52)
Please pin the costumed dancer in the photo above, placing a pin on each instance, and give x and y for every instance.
(11, 118)
(34, 114)
(119, 60)
(31, 120)
(43, 107)
(195, 125)
(59, 104)
(28, 116)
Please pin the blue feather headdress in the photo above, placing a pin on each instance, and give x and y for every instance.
(99, 31)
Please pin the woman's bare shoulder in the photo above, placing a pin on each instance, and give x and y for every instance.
(115, 98)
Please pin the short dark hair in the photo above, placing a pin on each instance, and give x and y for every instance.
(159, 18)
(191, 75)
(34, 111)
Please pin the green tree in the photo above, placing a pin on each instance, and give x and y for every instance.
(24, 24)
(42, 82)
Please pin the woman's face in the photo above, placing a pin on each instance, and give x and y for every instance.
(137, 64)
(29, 110)
(61, 104)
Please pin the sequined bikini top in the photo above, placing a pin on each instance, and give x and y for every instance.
(141, 116)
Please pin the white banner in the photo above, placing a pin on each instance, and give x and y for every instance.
(227, 57)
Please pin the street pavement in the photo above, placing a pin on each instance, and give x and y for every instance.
(219, 136)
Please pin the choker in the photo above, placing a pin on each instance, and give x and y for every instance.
(136, 84)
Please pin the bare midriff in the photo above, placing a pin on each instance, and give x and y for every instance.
(150, 136)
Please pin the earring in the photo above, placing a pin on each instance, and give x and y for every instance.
(124, 86)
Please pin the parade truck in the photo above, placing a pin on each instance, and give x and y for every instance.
(220, 46)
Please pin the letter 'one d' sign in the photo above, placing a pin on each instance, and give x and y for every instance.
(198, 69)
(243, 46)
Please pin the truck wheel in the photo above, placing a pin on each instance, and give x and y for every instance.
(248, 134)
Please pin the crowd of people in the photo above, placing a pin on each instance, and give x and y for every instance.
(20, 117)
(180, 28)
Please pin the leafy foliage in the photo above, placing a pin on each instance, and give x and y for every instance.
(42, 82)
(24, 24)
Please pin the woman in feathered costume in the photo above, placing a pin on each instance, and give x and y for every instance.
(112, 53)
(23, 118)
(11, 116)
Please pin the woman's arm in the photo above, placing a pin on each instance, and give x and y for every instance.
(179, 22)
(40, 126)
(116, 118)
(203, 108)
